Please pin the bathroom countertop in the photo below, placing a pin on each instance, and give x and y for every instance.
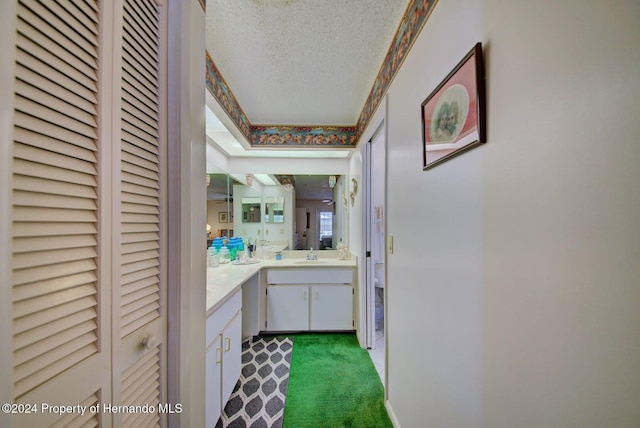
(225, 280)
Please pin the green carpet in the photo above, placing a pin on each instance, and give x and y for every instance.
(333, 383)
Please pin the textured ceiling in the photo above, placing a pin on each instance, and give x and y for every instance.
(301, 62)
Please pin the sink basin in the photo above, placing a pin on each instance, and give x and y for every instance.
(309, 262)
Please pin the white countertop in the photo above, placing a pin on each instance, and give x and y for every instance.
(224, 280)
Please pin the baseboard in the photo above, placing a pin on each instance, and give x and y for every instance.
(392, 415)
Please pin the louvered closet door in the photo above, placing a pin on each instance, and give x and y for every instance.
(60, 299)
(139, 261)
(89, 210)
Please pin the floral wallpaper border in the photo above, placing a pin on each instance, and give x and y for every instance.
(222, 93)
(410, 26)
(280, 135)
(413, 20)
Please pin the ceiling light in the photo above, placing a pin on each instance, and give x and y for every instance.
(265, 179)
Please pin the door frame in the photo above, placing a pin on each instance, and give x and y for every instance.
(369, 212)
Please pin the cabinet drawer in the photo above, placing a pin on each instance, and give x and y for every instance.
(310, 276)
(218, 320)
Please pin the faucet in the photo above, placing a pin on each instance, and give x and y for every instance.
(311, 255)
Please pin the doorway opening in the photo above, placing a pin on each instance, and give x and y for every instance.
(325, 231)
(375, 204)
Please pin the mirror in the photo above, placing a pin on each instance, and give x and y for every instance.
(315, 213)
(274, 209)
(251, 210)
(219, 206)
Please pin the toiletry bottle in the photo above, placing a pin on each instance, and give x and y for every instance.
(249, 248)
(211, 251)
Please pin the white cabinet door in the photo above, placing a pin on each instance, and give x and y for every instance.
(331, 307)
(213, 379)
(224, 356)
(287, 307)
(232, 356)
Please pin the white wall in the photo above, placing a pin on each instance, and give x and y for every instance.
(356, 236)
(513, 292)
(341, 219)
(274, 165)
(434, 282)
(187, 198)
(561, 181)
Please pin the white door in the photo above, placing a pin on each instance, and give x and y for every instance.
(139, 213)
(287, 307)
(331, 307)
(88, 295)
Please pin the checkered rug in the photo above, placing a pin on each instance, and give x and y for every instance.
(257, 401)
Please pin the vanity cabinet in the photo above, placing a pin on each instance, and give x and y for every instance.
(309, 299)
(288, 307)
(223, 356)
(331, 307)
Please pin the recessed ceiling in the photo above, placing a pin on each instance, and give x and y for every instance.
(301, 62)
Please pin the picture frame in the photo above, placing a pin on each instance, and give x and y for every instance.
(454, 114)
(223, 217)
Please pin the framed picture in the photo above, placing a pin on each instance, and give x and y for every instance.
(453, 115)
(223, 217)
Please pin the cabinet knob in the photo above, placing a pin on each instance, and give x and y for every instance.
(148, 342)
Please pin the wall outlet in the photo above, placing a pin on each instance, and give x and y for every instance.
(281, 231)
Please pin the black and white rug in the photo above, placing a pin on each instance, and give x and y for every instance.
(257, 401)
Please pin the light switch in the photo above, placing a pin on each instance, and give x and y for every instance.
(390, 244)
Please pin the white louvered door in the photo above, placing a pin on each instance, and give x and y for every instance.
(60, 327)
(89, 210)
(139, 261)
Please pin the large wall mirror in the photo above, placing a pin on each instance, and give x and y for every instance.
(317, 217)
